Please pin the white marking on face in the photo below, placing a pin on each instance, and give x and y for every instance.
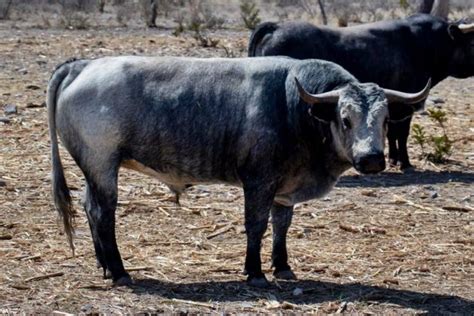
(360, 127)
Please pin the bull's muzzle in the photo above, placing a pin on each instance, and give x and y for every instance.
(371, 163)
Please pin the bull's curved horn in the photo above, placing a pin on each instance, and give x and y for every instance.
(466, 28)
(325, 97)
(407, 98)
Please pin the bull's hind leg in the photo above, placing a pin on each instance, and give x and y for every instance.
(392, 144)
(281, 221)
(89, 205)
(403, 132)
(101, 202)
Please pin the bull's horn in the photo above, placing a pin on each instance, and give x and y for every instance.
(407, 98)
(325, 97)
(466, 28)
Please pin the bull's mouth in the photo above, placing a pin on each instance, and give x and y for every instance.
(370, 164)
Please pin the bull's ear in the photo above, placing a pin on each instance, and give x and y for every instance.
(322, 112)
(323, 105)
(454, 32)
(400, 113)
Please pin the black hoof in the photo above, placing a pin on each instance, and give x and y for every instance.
(260, 282)
(393, 162)
(126, 280)
(284, 275)
(407, 168)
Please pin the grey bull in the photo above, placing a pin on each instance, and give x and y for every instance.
(282, 129)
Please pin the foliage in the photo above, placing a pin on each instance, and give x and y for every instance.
(441, 145)
(249, 13)
(198, 20)
(419, 136)
(404, 4)
(74, 20)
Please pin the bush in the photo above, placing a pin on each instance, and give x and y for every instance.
(249, 13)
(441, 145)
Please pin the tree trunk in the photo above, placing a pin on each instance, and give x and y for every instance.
(441, 9)
(425, 6)
(323, 12)
(101, 5)
(153, 13)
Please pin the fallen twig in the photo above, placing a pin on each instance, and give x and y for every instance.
(44, 276)
(423, 207)
(220, 231)
(175, 300)
(464, 209)
(349, 228)
(138, 268)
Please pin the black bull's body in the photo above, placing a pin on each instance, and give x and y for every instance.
(400, 55)
(235, 121)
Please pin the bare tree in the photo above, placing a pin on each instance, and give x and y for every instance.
(425, 6)
(441, 9)
(150, 12)
(434, 7)
(310, 8)
(5, 9)
(101, 5)
(323, 12)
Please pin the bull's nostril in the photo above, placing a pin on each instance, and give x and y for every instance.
(371, 163)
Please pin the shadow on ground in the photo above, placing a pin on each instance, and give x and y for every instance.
(396, 179)
(314, 292)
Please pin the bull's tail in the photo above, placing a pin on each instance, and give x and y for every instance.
(258, 34)
(61, 195)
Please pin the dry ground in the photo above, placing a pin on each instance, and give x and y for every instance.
(392, 243)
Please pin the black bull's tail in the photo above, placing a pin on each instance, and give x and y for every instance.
(258, 34)
(61, 196)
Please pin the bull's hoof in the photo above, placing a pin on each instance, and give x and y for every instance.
(126, 280)
(260, 282)
(284, 275)
(393, 162)
(407, 168)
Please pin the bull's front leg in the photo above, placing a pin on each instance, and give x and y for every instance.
(281, 221)
(258, 201)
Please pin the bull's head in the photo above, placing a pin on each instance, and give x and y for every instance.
(462, 60)
(358, 116)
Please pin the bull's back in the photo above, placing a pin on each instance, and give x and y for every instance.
(382, 52)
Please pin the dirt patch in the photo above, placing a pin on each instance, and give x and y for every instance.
(392, 243)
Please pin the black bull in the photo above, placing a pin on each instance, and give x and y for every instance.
(400, 55)
(246, 122)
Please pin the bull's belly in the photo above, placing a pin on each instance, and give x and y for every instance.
(308, 189)
(171, 179)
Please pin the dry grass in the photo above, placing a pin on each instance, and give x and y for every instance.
(379, 244)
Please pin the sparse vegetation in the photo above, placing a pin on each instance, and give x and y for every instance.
(199, 21)
(249, 13)
(441, 145)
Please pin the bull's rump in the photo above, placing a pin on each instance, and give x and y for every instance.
(193, 119)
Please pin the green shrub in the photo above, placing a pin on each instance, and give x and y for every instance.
(249, 13)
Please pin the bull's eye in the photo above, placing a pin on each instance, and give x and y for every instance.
(346, 123)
